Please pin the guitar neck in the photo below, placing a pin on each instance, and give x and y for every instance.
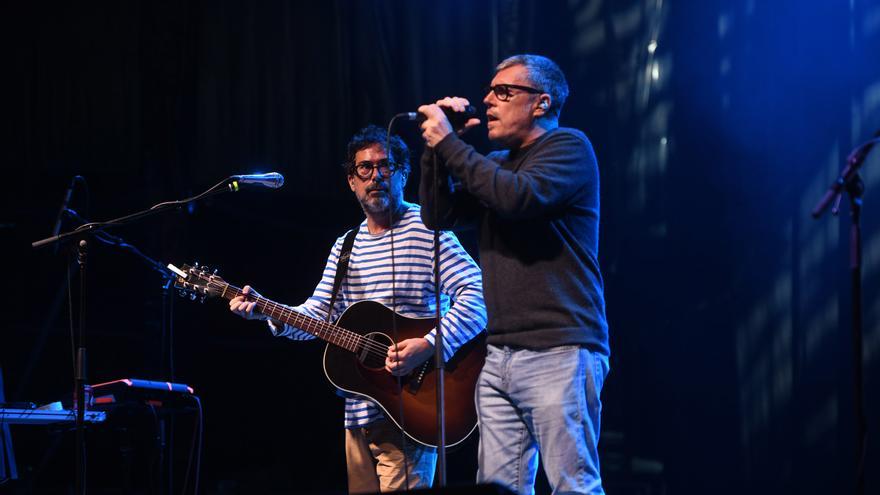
(321, 329)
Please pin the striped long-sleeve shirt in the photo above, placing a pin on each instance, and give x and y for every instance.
(369, 277)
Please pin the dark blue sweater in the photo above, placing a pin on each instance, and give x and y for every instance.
(537, 212)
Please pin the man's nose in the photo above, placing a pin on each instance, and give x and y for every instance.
(378, 175)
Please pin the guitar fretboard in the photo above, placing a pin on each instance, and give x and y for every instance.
(328, 332)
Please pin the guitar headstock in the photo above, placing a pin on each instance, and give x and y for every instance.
(197, 281)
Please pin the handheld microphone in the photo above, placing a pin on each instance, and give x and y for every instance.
(457, 119)
(272, 180)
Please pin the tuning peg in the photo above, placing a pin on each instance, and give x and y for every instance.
(202, 300)
(192, 296)
(216, 270)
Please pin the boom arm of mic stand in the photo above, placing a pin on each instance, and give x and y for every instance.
(226, 185)
(123, 244)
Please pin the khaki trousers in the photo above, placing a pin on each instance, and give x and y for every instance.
(375, 460)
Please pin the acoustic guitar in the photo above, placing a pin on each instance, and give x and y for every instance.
(354, 359)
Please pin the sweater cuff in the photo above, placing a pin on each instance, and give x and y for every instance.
(275, 329)
(449, 145)
(448, 351)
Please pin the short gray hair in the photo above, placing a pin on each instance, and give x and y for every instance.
(543, 73)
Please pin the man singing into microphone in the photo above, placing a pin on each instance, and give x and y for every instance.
(376, 456)
(535, 204)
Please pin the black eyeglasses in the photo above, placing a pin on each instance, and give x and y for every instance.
(364, 169)
(502, 91)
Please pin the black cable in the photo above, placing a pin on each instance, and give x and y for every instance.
(70, 314)
(170, 324)
(157, 458)
(195, 449)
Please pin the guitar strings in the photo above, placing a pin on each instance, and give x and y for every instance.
(343, 336)
(347, 336)
(326, 330)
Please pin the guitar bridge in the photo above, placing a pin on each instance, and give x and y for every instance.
(415, 382)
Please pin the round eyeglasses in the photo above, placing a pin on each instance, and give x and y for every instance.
(364, 169)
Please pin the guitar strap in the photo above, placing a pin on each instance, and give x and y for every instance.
(341, 267)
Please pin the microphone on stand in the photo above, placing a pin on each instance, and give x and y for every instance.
(272, 180)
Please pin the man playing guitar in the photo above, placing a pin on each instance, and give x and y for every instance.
(391, 262)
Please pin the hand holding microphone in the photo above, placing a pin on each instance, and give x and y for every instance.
(437, 116)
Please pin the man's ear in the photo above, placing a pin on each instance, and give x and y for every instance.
(543, 104)
(351, 182)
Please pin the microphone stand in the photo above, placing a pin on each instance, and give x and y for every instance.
(79, 380)
(166, 428)
(95, 228)
(439, 363)
(852, 184)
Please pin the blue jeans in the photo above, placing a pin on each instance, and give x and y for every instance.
(543, 401)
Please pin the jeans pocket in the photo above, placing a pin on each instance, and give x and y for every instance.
(596, 370)
(600, 371)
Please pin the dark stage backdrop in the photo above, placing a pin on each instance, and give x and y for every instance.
(717, 126)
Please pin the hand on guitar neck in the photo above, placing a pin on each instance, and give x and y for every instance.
(244, 305)
(406, 356)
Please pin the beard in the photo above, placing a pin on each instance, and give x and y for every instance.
(380, 205)
(376, 205)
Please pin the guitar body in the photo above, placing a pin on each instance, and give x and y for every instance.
(363, 375)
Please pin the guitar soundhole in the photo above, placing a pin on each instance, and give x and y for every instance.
(372, 356)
